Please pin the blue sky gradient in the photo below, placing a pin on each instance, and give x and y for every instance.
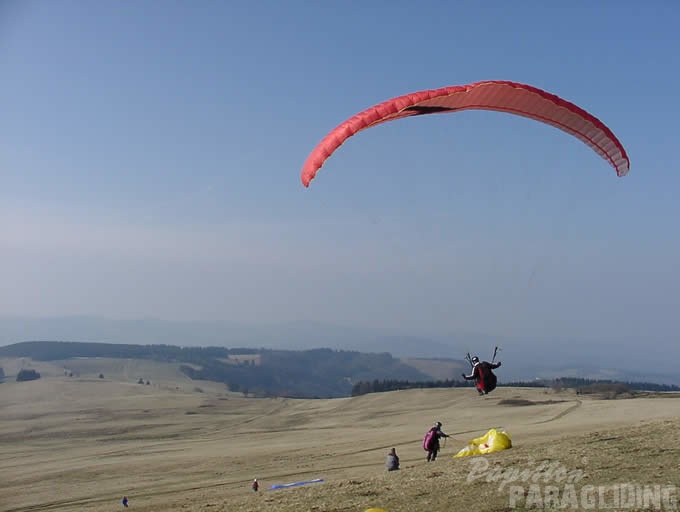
(150, 156)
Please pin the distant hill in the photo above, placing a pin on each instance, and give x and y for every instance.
(308, 373)
(523, 358)
(287, 336)
(439, 369)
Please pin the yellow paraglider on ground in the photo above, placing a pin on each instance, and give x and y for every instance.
(492, 441)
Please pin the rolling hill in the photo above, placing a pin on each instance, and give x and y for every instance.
(76, 444)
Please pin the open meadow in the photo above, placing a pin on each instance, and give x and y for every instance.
(82, 443)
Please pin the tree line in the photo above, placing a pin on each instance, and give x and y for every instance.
(582, 385)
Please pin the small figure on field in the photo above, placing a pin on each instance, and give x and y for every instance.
(392, 461)
(255, 485)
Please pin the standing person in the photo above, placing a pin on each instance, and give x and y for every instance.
(125, 501)
(482, 374)
(392, 461)
(431, 441)
(255, 485)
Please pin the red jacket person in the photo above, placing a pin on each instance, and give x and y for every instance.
(485, 379)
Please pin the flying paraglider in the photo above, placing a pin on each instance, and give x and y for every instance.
(497, 95)
(483, 375)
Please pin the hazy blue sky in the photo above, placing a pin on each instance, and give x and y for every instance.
(150, 154)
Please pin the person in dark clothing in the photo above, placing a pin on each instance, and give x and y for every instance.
(482, 374)
(431, 443)
(392, 461)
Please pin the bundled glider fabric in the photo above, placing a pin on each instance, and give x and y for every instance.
(295, 484)
(490, 442)
(501, 96)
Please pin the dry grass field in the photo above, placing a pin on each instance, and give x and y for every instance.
(82, 443)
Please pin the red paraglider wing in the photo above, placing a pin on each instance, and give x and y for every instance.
(501, 96)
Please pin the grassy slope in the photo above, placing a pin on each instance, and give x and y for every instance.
(81, 444)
